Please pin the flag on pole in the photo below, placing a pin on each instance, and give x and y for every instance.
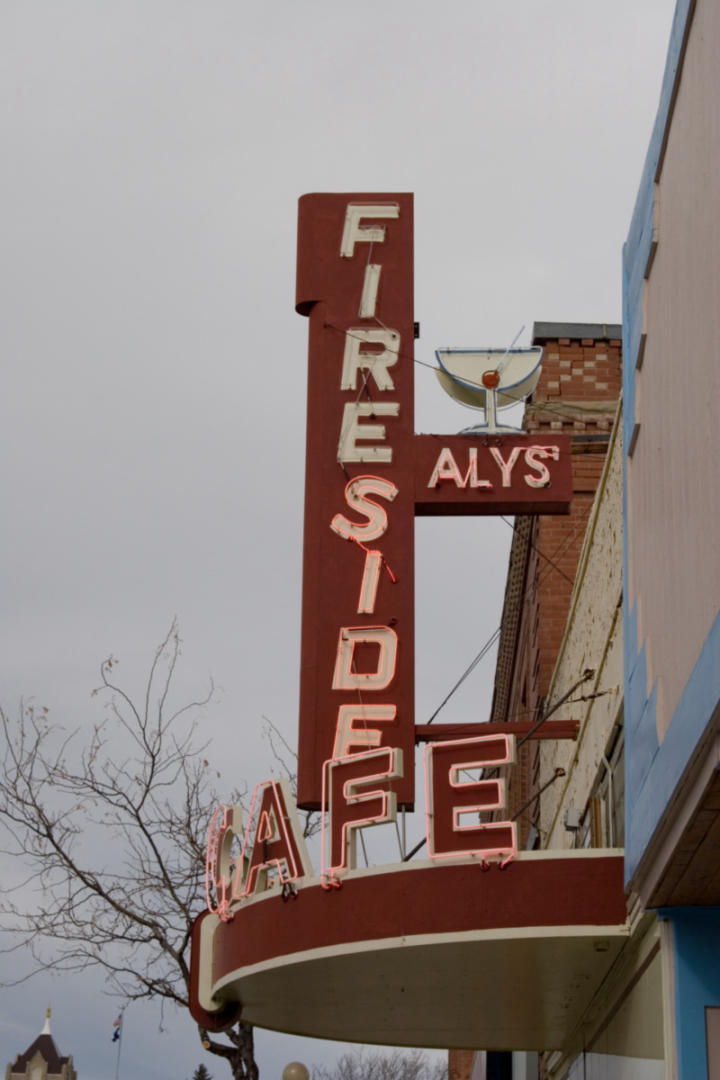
(117, 1024)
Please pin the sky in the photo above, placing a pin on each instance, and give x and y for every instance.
(152, 419)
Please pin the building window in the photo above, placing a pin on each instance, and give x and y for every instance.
(603, 821)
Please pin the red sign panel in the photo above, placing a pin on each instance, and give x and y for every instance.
(355, 282)
(492, 474)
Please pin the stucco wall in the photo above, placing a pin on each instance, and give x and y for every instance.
(593, 639)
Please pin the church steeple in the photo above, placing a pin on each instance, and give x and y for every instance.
(42, 1058)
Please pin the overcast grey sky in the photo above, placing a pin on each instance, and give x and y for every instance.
(153, 407)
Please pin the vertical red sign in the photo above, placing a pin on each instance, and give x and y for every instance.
(355, 283)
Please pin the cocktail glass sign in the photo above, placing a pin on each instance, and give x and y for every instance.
(367, 476)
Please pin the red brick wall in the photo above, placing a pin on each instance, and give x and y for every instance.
(582, 372)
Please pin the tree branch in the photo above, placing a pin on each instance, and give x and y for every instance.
(110, 834)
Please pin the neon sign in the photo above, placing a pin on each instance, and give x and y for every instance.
(447, 469)
(451, 797)
(271, 847)
(357, 793)
(368, 475)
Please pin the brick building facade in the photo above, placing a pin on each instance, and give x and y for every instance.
(578, 395)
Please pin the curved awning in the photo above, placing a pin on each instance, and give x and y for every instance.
(421, 954)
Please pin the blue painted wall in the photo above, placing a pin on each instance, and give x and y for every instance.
(653, 770)
(696, 955)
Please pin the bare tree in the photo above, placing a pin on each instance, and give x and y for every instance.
(112, 832)
(362, 1064)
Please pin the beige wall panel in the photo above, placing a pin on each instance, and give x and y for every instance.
(636, 1028)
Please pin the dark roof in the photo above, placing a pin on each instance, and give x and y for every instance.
(49, 1051)
(551, 331)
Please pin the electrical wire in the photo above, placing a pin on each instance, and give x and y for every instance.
(540, 553)
(559, 772)
(545, 572)
(468, 671)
